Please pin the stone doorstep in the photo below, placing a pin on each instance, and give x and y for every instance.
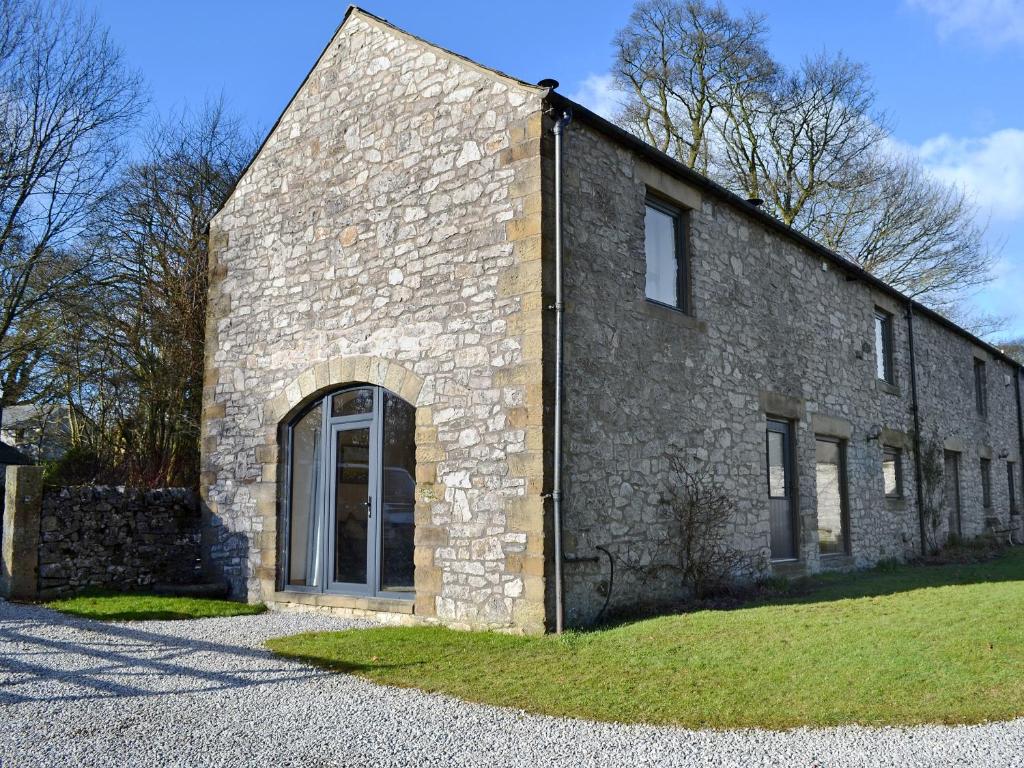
(402, 606)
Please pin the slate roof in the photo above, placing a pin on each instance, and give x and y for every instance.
(11, 455)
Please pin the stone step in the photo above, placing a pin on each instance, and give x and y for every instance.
(214, 589)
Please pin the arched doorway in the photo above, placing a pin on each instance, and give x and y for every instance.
(348, 514)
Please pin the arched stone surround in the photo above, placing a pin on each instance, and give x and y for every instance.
(312, 383)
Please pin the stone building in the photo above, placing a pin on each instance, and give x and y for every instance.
(379, 421)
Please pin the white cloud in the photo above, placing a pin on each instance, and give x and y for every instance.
(993, 22)
(1001, 297)
(990, 168)
(599, 94)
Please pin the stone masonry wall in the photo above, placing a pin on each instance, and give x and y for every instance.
(774, 331)
(389, 232)
(117, 538)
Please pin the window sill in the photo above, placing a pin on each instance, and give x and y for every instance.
(884, 386)
(672, 314)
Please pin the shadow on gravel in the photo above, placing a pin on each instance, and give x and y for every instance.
(41, 661)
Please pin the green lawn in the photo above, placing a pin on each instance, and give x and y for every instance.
(140, 607)
(894, 645)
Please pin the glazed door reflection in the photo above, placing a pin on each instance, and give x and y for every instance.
(350, 507)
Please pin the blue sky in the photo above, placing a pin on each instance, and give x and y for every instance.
(949, 73)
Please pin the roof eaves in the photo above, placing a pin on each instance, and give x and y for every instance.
(354, 10)
(673, 166)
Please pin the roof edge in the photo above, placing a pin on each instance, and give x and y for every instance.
(350, 12)
(673, 166)
(482, 68)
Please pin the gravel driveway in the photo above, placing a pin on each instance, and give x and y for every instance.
(81, 693)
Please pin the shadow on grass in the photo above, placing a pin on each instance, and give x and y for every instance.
(965, 566)
(319, 661)
(889, 579)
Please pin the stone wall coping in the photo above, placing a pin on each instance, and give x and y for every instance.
(353, 602)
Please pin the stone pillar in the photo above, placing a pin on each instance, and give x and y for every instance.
(19, 578)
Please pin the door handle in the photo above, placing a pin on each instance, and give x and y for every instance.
(369, 507)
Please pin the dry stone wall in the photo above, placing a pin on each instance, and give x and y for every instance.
(105, 537)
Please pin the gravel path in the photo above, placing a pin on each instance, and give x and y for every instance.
(191, 693)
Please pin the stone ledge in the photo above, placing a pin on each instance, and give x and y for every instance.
(886, 387)
(351, 602)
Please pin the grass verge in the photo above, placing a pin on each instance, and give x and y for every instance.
(142, 607)
(898, 645)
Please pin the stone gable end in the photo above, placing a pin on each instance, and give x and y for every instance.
(388, 232)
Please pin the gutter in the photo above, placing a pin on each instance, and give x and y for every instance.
(675, 168)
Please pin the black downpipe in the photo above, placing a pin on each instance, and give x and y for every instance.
(918, 474)
(1020, 436)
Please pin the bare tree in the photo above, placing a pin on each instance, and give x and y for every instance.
(138, 373)
(918, 234)
(1015, 349)
(678, 62)
(66, 100)
(691, 543)
(810, 136)
(701, 86)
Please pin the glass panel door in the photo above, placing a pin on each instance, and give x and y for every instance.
(351, 502)
(349, 524)
(779, 448)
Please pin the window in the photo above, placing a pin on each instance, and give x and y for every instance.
(781, 491)
(980, 387)
(1011, 484)
(665, 252)
(892, 472)
(986, 483)
(348, 519)
(830, 473)
(883, 346)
